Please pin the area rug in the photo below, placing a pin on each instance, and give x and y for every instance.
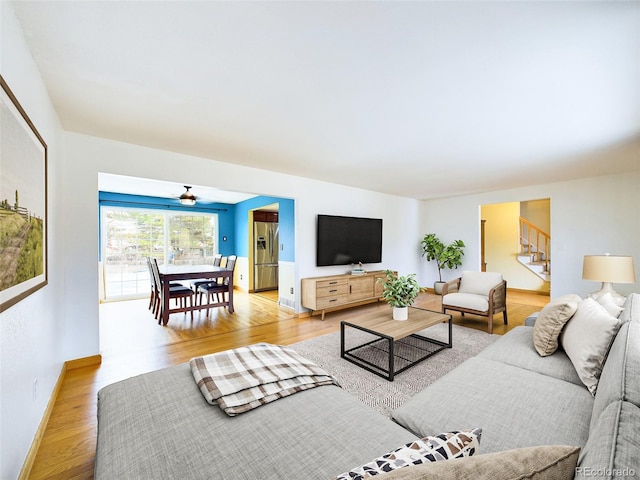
(375, 391)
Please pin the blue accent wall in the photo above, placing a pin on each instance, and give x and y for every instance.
(286, 225)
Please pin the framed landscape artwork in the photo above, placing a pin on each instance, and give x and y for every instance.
(23, 203)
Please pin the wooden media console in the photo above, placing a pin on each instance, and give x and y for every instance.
(341, 291)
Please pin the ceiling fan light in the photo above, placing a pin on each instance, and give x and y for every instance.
(187, 198)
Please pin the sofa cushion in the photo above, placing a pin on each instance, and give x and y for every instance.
(620, 379)
(158, 425)
(499, 397)
(551, 319)
(530, 321)
(434, 448)
(545, 462)
(516, 348)
(586, 339)
(479, 283)
(466, 300)
(613, 445)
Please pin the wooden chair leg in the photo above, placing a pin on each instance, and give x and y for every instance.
(157, 308)
(504, 315)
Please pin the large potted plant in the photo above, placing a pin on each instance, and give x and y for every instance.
(400, 292)
(446, 256)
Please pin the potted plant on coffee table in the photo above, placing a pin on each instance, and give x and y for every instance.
(400, 292)
(446, 256)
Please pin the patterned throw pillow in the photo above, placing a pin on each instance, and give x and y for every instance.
(445, 446)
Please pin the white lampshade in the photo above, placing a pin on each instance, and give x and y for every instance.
(608, 268)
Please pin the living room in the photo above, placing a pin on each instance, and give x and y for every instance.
(591, 213)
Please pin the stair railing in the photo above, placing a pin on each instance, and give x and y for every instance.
(536, 242)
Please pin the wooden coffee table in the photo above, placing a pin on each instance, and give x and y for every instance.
(396, 345)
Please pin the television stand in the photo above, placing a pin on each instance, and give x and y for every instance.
(335, 292)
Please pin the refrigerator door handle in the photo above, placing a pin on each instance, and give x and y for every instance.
(271, 239)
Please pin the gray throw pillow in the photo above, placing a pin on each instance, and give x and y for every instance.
(551, 320)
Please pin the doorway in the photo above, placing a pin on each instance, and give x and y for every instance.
(504, 243)
(264, 249)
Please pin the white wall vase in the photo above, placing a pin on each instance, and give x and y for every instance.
(400, 313)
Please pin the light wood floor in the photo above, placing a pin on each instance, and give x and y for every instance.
(133, 343)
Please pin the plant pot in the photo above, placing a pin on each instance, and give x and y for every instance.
(400, 313)
(437, 286)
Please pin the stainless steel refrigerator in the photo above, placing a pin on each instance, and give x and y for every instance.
(265, 254)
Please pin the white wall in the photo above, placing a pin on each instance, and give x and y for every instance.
(31, 331)
(537, 212)
(311, 197)
(588, 216)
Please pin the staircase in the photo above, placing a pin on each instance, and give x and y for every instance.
(535, 250)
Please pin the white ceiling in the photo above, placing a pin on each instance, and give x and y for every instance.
(108, 182)
(421, 99)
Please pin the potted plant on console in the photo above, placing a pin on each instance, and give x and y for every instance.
(446, 256)
(400, 292)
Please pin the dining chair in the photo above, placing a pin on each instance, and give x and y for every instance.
(218, 287)
(176, 292)
(217, 259)
(152, 298)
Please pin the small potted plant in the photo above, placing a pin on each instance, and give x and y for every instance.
(400, 292)
(446, 256)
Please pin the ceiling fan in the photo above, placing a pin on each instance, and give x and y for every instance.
(187, 198)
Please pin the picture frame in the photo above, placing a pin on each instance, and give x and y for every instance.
(23, 203)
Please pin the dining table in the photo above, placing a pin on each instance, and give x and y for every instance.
(180, 273)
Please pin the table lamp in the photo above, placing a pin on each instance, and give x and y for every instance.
(608, 269)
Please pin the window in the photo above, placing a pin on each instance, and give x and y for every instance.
(129, 235)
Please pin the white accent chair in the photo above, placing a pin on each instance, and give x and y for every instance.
(478, 293)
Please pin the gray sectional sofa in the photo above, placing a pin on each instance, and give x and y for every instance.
(158, 425)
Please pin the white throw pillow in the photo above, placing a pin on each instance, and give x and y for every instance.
(551, 320)
(609, 304)
(586, 339)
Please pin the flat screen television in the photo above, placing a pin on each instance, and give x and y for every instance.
(347, 240)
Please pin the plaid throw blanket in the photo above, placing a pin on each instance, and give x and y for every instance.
(244, 378)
